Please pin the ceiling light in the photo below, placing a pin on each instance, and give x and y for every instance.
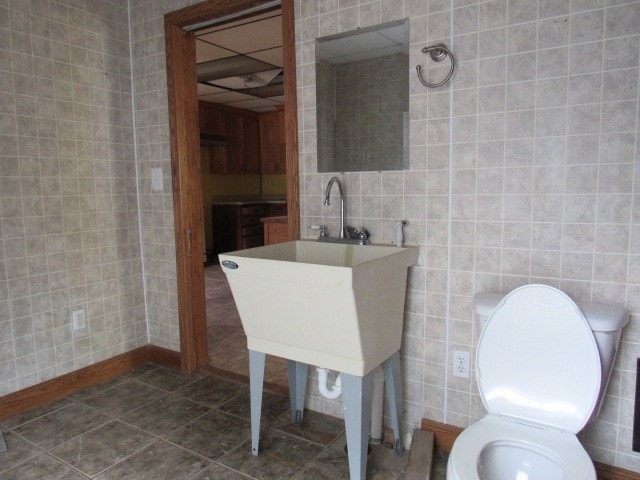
(230, 67)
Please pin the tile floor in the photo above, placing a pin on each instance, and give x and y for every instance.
(158, 423)
(226, 339)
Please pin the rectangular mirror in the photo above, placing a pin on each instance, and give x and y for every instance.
(362, 99)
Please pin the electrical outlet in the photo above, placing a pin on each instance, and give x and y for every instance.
(461, 364)
(78, 320)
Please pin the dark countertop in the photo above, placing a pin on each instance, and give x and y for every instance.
(283, 219)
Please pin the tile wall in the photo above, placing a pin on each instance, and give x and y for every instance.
(364, 111)
(524, 172)
(152, 129)
(325, 108)
(69, 236)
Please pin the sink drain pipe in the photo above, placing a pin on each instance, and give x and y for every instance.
(335, 391)
(330, 393)
(376, 437)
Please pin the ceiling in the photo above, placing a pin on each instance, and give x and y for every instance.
(365, 43)
(239, 64)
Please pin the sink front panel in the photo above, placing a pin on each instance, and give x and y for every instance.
(335, 306)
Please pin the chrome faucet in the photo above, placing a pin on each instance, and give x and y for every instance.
(343, 232)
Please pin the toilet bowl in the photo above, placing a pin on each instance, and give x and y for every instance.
(539, 376)
(496, 448)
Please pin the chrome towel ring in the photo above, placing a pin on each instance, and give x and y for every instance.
(437, 53)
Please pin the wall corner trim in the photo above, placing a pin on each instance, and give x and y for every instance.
(61, 386)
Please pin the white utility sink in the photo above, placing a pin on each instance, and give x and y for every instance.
(332, 305)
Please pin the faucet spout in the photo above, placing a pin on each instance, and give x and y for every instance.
(327, 195)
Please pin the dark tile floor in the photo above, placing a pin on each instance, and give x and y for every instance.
(226, 339)
(157, 423)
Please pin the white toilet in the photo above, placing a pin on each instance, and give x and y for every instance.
(542, 365)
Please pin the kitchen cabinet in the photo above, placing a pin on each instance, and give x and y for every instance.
(251, 143)
(227, 225)
(276, 209)
(233, 133)
(251, 234)
(276, 230)
(272, 142)
(211, 119)
(236, 227)
(240, 128)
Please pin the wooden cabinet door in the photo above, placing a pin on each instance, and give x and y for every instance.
(210, 119)
(242, 131)
(217, 158)
(281, 164)
(275, 233)
(251, 144)
(267, 126)
(272, 144)
(233, 132)
(227, 228)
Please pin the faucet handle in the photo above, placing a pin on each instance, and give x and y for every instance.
(364, 236)
(322, 228)
(351, 231)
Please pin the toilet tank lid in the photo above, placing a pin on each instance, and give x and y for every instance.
(601, 317)
(484, 303)
(604, 318)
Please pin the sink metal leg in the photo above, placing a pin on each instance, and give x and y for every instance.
(356, 401)
(297, 372)
(393, 382)
(256, 380)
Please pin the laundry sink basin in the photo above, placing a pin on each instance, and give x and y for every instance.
(332, 305)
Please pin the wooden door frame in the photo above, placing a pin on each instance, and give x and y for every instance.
(185, 159)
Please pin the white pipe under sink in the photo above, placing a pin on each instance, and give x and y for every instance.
(377, 400)
(330, 393)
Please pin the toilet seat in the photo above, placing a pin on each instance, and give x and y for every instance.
(537, 360)
(538, 371)
(563, 448)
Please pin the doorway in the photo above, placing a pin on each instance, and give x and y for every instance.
(240, 109)
(185, 158)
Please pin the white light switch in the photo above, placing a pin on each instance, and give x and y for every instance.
(156, 179)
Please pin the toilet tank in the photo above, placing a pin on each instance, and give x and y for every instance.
(606, 321)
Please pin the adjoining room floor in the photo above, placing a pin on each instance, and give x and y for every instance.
(226, 339)
(157, 423)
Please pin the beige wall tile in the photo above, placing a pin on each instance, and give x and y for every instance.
(539, 177)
